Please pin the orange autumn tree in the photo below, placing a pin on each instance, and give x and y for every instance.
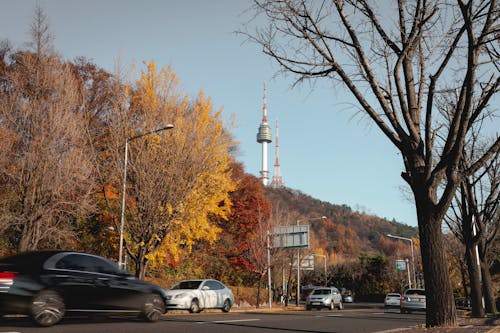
(229, 258)
(176, 179)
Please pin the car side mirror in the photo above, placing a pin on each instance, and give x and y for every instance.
(205, 288)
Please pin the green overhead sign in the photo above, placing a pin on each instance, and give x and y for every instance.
(401, 265)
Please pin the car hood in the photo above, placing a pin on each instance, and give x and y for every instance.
(176, 292)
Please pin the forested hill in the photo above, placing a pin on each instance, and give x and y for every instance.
(344, 231)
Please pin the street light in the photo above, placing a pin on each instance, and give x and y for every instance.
(324, 257)
(298, 257)
(412, 257)
(122, 220)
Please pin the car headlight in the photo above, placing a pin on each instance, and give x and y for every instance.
(183, 295)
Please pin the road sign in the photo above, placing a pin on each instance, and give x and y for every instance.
(290, 237)
(401, 265)
(307, 263)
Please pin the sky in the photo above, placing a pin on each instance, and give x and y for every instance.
(327, 149)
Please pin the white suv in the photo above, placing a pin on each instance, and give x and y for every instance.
(326, 297)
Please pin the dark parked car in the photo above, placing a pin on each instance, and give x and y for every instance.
(48, 284)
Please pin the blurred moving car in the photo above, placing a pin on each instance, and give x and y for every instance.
(413, 300)
(324, 297)
(197, 295)
(46, 285)
(346, 298)
(392, 300)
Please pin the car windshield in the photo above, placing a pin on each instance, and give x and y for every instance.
(187, 285)
(415, 292)
(321, 292)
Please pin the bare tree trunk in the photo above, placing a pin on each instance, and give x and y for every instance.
(476, 294)
(436, 275)
(489, 291)
(464, 282)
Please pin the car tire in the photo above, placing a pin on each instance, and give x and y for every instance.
(153, 308)
(226, 307)
(341, 306)
(47, 308)
(195, 306)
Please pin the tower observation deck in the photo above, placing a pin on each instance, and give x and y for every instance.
(264, 137)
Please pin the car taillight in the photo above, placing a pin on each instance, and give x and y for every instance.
(6, 280)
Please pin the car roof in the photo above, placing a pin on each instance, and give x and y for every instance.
(33, 256)
(34, 260)
(28, 261)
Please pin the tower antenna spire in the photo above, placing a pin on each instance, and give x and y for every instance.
(277, 179)
(264, 137)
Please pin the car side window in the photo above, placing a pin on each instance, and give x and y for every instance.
(79, 262)
(214, 285)
(70, 262)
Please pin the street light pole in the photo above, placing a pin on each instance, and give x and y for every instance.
(297, 302)
(412, 256)
(324, 257)
(124, 188)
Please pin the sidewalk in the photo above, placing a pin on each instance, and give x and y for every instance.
(465, 325)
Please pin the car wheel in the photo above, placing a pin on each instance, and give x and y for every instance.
(227, 306)
(341, 306)
(195, 307)
(47, 308)
(153, 308)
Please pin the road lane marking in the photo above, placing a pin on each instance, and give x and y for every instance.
(394, 330)
(227, 321)
(234, 320)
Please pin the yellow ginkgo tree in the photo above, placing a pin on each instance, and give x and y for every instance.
(176, 179)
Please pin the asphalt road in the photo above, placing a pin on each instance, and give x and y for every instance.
(350, 320)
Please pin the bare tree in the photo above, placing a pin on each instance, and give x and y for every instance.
(395, 61)
(45, 177)
(473, 218)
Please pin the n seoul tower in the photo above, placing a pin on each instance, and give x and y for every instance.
(264, 137)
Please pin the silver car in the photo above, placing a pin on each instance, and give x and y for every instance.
(197, 295)
(325, 297)
(412, 300)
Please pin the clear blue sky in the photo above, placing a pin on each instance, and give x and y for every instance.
(326, 150)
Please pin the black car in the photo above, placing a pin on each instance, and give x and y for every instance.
(46, 285)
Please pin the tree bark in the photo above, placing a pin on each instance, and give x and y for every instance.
(439, 294)
(489, 291)
(476, 294)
